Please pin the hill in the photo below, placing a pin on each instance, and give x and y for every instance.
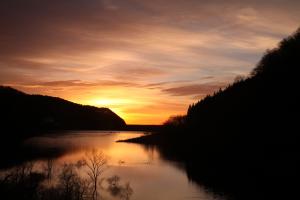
(28, 114)
(243, 140)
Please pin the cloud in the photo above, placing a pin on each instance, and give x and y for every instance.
(160, 48)
(194, 89)
(165, 83)
(77, 83)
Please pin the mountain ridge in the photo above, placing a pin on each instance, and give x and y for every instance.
(38, 113)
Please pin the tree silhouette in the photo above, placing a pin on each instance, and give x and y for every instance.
(48, 169)
(96, 163)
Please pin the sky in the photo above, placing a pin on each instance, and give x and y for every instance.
(145, 60)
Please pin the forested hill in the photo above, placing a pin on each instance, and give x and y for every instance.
(243, 140)
(31, 113)
(263, 103)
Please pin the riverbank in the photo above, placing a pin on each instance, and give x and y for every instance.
(236, 173)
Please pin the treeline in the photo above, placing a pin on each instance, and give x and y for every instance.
(262, 104)
(243, 140)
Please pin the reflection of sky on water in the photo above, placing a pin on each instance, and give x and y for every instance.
(150, 177)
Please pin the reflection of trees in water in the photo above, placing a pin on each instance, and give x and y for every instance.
(117, 190)
(72, 181)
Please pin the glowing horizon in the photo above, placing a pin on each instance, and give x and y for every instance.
(145, 60)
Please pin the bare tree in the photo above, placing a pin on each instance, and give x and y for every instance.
(48, 169)
(22, 171)
(96, 163)
(71, 184)
(66, 179)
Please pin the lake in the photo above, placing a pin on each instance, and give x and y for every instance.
(151, 177)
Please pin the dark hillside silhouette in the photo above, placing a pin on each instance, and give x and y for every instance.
(243, 140)
(28, 114)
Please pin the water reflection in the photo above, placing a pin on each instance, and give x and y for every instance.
(142, 173)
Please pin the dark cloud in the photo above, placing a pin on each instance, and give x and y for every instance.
(194, 89)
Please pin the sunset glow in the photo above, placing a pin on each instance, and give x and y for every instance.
(145, 60)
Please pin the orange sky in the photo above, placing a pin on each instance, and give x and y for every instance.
(146, 60)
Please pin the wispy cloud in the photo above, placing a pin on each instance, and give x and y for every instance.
(138, 50)
(195, 89)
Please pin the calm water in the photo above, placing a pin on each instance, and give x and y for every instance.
(150, 177)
